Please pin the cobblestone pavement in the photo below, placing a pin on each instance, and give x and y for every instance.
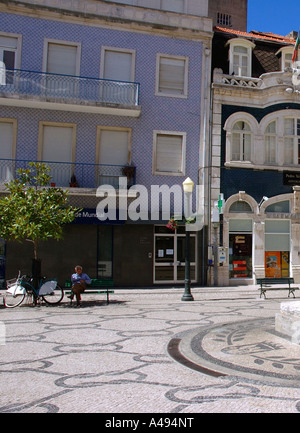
(140, 353)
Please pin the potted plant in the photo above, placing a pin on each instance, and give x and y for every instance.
(73, 182)
(128, 171)
(172, 224)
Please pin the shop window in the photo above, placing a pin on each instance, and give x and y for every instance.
(277, 264)
(240, 248)
(277, 248)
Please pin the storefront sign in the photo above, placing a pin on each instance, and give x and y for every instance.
(291, 178)
(89, 216)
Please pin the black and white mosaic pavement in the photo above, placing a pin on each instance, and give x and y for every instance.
(249, 349)
(118, 358)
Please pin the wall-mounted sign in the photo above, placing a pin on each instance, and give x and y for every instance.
(89, 216)
(291, 178)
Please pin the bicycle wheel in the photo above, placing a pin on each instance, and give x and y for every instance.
(55, 297)
(12, 301)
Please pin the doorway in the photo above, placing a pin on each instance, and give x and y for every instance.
(169, 257)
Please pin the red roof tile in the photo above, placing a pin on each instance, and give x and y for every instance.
(257, 35)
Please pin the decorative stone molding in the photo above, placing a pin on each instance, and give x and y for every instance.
(118, 13)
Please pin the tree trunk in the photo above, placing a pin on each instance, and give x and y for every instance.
(36, 272)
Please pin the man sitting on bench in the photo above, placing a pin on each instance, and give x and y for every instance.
(79, 282)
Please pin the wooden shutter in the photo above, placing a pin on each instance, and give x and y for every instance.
(57, 147)
(6, 140)
(169, 153)
(118, 65)
(171, 76)
(114, 147)
(61, 59)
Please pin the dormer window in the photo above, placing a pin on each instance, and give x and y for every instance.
(240, 57)
(286, 57)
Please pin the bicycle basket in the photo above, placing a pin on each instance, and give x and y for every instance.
(10, 283)
(47, 288)
(15, 288)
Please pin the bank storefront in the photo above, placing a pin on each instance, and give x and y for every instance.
(261, 239)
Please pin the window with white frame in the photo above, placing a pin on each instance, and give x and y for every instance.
(172, 76)
(57, 143)
(8, 136)
(114, 145)
(286, 57)
(118, 68)
(271, 143)
(61, 57)
(291, 141)
(287, 61)
(9, 57)
(113, 153)
(240, 57)
(169, 153)
(241, 142)
(117, 64)
(62, 62)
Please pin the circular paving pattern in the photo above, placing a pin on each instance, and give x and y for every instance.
(248, 349)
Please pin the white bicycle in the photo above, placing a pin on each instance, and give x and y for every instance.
(21, 287)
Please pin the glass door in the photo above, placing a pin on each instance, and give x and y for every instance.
(164, 258)
(180, 263)
(169, 257)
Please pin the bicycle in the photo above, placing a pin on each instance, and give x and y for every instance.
(21, 287)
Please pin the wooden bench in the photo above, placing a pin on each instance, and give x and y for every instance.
(267, 283)
(96, 283)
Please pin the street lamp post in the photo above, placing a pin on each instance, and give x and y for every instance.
(188, 185)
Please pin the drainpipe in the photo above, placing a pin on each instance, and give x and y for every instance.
(204, 179)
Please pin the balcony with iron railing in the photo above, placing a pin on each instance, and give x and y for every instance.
(74, 175)
(67, 92)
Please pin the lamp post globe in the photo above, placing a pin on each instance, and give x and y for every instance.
(188, 186)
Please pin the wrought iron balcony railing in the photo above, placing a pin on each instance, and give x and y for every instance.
(81, 175)
(68, 87)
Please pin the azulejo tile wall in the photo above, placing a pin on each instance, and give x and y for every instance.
(158, 113)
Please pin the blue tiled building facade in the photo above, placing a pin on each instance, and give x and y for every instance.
(115, 250)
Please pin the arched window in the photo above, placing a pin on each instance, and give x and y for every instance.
(291, 141)
(271, 144)
(241, 142)
(240, 207)
(280, 207)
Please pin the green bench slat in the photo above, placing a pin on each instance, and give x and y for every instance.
(95, 284)
(266, 282)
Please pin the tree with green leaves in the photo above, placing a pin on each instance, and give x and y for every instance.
(33, 211)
